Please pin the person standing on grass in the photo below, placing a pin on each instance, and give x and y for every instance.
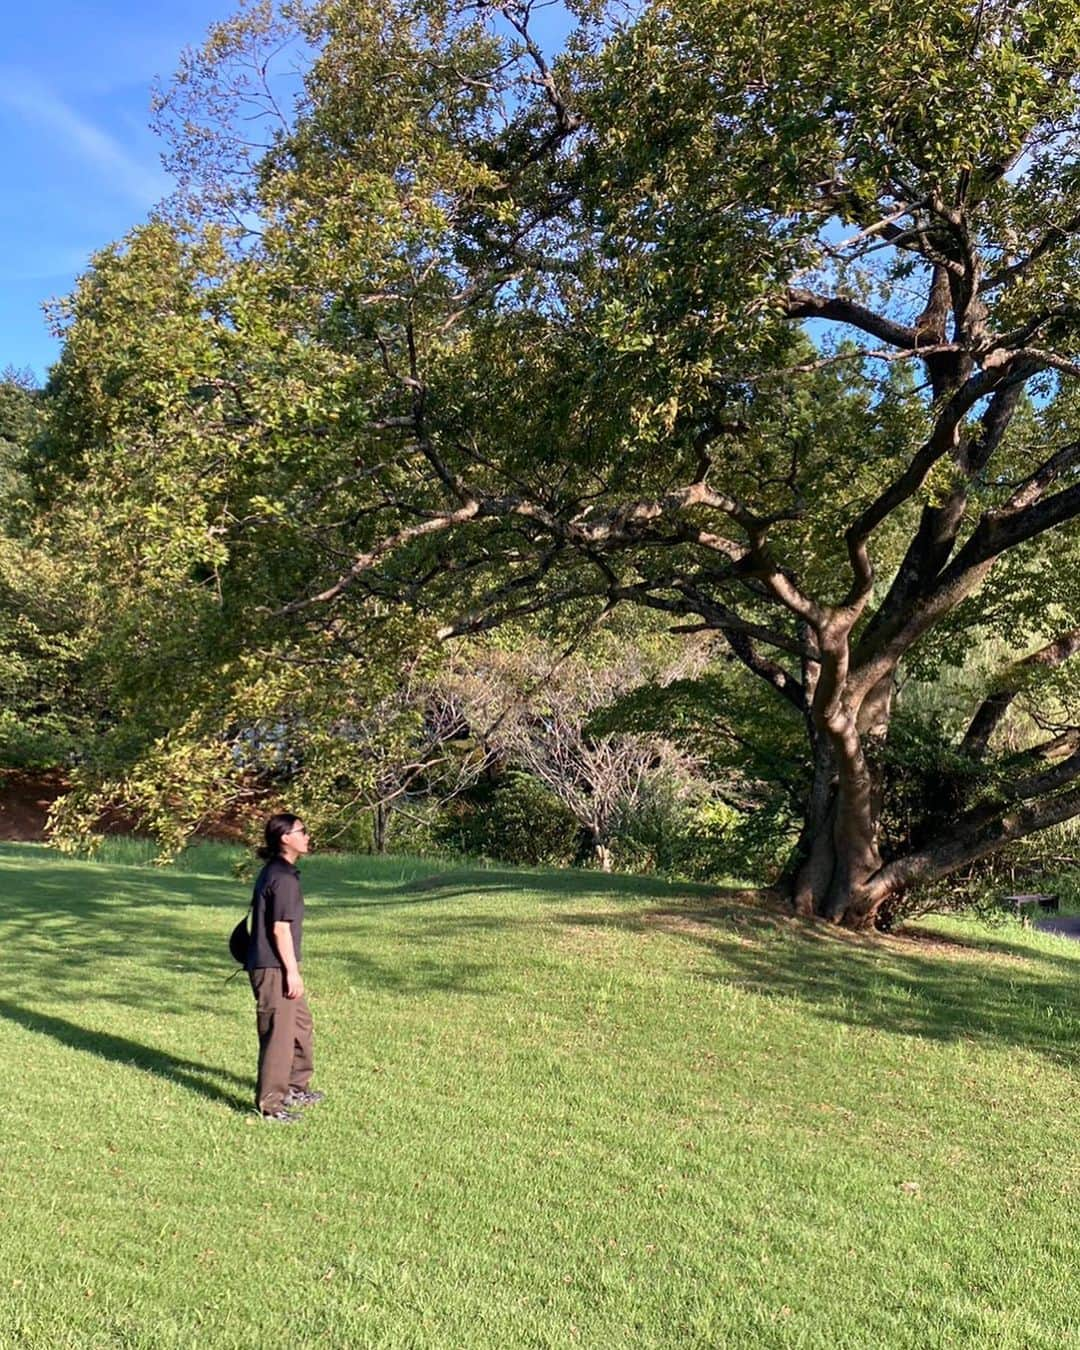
(273, 965)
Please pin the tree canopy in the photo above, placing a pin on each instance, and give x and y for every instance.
(759, 317)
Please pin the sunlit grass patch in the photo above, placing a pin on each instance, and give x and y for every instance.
(563, 1109)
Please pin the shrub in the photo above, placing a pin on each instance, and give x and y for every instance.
(515, 819)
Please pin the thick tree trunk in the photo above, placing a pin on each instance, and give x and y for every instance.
(837, 879)
(814, 853)
(843, 877)
(841, 835)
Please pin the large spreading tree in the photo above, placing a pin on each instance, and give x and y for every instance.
(761, 316)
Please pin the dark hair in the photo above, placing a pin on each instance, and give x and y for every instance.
(276, 827)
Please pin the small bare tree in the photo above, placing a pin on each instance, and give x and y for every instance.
(418, 744)
(538, 717)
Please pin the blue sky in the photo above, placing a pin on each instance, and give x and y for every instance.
(80, 165)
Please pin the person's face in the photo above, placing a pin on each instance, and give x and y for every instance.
(296, 840)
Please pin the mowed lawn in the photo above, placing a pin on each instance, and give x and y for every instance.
(562, 1110)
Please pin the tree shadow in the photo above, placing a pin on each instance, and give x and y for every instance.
(998, 992)
(64, 920)
(393, 876)
(190, 1074)
(920, 983)
(560, 884)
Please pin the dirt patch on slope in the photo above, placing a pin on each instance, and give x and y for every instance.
(24, 804)
(25, 800)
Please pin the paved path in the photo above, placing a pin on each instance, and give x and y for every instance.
(1067, 926)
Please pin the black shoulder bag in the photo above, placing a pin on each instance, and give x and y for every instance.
(240, 940)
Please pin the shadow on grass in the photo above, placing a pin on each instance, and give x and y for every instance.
(188, 1073)
(996, 989)
(923, 984)
(466, 881)
(63, 921)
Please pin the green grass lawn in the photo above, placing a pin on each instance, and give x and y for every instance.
(562, 1110)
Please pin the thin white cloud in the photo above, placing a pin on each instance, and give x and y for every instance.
(117, 167)
(60, 264)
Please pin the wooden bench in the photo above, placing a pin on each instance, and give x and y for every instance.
(1022, 905)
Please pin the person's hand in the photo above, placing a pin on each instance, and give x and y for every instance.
(294, 984)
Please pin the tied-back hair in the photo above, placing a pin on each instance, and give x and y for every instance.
(276, 827)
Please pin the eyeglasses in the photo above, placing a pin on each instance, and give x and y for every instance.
(296, 829)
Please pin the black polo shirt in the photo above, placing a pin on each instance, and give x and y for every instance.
(277, 899)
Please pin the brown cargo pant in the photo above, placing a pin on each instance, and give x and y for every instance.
(285, 1039)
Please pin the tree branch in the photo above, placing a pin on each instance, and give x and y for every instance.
(943, 440)
(773, 674)
(990, 713)
(939, 526)
(800, 304)
(1000, 530)
(1032, 488)
(1053, 238)
(968, 842)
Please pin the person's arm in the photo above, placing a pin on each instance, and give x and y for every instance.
(294, 981)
